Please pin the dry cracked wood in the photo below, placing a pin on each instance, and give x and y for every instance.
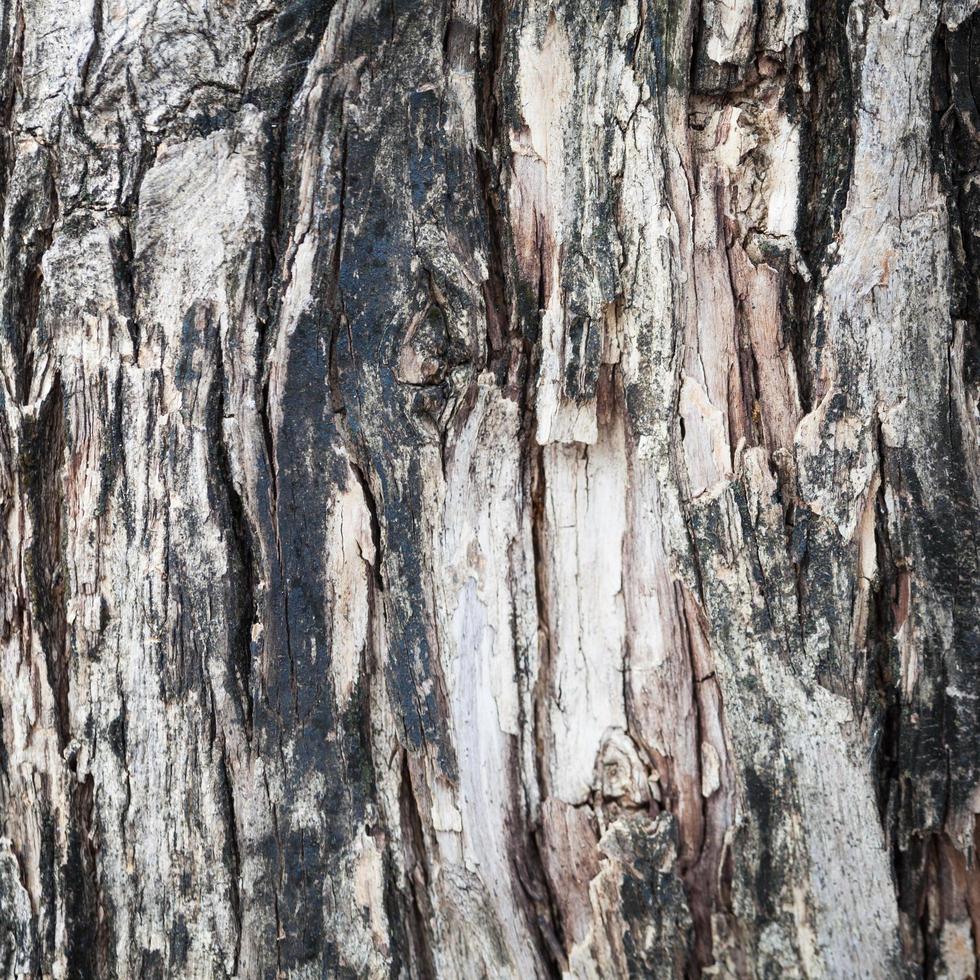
(489, 488)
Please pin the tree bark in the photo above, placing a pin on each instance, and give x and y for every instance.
(489, 488)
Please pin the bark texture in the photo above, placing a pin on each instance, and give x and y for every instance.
(489, 488)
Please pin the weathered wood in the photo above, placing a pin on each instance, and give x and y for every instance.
(489, 488)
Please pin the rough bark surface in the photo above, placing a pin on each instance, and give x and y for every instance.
(489, 488)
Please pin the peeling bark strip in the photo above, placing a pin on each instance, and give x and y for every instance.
(489, 488)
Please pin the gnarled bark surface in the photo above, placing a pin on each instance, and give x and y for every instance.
(489, 488)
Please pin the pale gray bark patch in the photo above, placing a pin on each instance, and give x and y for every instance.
(489, 489)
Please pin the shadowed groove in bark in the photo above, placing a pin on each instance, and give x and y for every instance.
(234, 855)
(89, 933)
(242, 586)
(956, 159)
(550, 927)
(42, 461)
(12, 41)
(418, 914)
(33, 212)
(826, 103)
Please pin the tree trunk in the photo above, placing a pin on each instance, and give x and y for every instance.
(489, 488)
